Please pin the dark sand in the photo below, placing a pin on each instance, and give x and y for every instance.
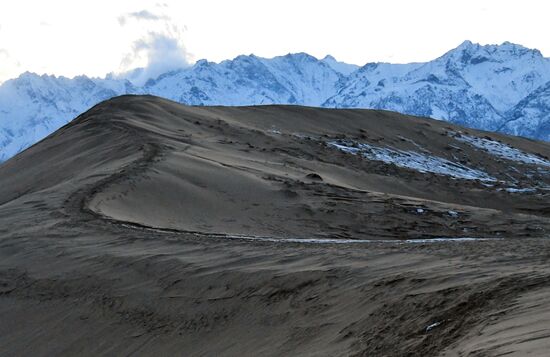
(119, 236)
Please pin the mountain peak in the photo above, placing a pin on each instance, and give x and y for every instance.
(474, 53)
(301, 56)
(467, 45)
(342, 67)
(516, 49)
(202, 62)
(242, 58)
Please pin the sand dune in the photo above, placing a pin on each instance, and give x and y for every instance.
(147, 227)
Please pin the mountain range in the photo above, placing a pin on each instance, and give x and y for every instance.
(504, 88)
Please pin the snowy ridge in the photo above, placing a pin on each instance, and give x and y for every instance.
(471, 85)
(531, 116)
(495, 87)
(341, 67)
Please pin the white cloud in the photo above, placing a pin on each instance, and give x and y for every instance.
(156, 53)
(144, 15)
(121, 20)
(147, 15)
(161, 49)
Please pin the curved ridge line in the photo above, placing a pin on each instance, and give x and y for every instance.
(152, 150)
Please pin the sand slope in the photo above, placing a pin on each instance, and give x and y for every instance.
(147, 227)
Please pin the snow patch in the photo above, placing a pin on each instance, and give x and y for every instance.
(309, 240)
(519, 190)
(432, 326)
(453, 214)
(352, 241)
(502, 150)
(412, 160)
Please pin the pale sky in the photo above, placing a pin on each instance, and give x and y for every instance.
(71, 37)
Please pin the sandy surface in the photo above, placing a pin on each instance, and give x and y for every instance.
(146, 227)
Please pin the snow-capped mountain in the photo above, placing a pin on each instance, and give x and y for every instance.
(341, 67)
(531, 116)
(248, 80)
(471, 85)
(494, 87)
(32, 106)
